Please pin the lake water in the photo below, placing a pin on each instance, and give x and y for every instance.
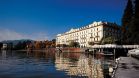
(51, 64)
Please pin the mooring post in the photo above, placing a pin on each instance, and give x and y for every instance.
(114, 55)
(101, 50)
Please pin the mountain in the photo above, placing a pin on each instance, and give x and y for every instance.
(15, 41)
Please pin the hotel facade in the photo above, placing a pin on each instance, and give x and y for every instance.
(94, 33)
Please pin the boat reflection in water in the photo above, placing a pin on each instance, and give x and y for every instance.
(51, 64)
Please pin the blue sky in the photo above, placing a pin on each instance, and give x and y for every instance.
(44, 19)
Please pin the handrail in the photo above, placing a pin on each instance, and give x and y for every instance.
(115, 46)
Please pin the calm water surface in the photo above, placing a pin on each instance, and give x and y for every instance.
(22, 64)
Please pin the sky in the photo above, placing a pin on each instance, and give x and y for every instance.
(44, 19)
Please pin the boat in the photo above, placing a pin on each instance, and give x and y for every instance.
(133, 52)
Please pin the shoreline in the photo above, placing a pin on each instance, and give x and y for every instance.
(48, 50)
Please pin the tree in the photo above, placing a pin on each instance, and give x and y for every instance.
(18, 46)
(126, 19)
(74, 44)
(91, 43)
(62, 45)
(136, 8)
(109, 40)
(1, 44)
(53, 44)
(37, 45)
(133, 30)
(54, 40)
(136, 23)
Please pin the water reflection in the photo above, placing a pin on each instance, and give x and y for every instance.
(50, 64)
(81, 66)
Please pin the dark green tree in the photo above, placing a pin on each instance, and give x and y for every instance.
(133, 31)
(54, 40)
(136, 22)
(21, 45)
(74, 44)
(126, 19)
(136, 8)
(109, 40)
(1, 44)
(91, 43)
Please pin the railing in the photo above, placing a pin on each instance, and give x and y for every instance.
(115, 46)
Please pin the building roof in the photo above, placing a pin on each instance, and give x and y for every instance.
(94, 24)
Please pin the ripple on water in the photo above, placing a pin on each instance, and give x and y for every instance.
(49, 65)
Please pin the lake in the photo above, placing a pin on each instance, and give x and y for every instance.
(51, 64)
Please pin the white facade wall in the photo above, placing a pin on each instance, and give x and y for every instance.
(91, 33)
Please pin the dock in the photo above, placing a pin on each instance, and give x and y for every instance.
(128, 67)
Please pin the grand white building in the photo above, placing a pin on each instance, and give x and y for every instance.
(94, 32)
